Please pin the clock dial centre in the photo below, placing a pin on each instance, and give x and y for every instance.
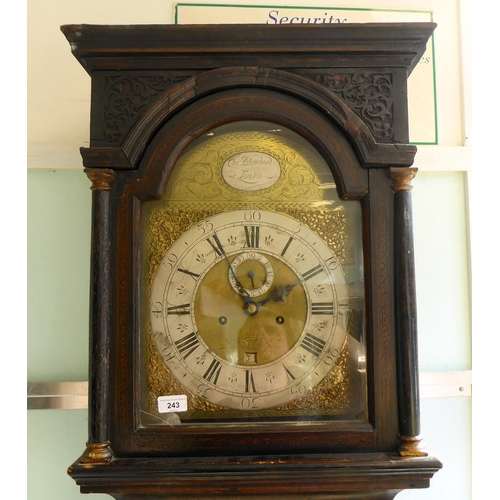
(249, 333)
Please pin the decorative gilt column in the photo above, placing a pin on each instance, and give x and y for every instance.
(406, 315)
(98, 447)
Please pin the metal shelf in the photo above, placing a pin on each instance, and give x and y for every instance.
(74, 395)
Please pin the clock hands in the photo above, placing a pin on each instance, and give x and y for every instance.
(251, 275)
(251, 307)
(279, 294)
(241, 290)
(221, 250)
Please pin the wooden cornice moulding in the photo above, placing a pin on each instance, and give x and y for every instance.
(159, 46)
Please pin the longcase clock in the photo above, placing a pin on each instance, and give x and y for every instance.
(253, 319)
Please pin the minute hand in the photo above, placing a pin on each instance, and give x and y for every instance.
(220, 249)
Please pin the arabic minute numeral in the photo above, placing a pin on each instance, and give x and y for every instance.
(167, 354)
(170, 260)
(250, 215)
(331, 357)
(332, 263)
(298, 390)
(205, 226)
(249, 403)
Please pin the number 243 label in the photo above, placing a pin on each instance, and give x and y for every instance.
(168, 404)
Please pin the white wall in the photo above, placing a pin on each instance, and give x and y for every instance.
(59, 224)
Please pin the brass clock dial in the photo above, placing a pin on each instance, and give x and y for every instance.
(249, 309)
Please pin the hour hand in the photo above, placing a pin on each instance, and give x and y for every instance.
(278, 294)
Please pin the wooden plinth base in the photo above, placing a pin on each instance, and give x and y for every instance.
(340, 477)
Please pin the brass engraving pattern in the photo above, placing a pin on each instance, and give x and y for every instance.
(203, 179)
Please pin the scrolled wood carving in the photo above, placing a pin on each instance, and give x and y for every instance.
(368, 93)
(126, 98)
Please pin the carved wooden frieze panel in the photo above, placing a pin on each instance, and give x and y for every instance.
(126, 97)
(369, 93)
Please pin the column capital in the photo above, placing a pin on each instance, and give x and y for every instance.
(402, 177)
(101, 178)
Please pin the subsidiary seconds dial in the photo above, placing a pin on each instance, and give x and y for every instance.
(249, 309)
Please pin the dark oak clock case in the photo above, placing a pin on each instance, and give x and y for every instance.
(156, 89)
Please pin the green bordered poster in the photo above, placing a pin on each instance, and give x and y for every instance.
(421, 84)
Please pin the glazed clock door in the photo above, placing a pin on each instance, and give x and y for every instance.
(255, 308)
